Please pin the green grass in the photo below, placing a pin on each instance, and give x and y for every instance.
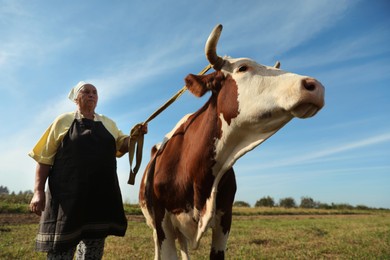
(333, 237)
(294, 234)
(13, 208)
(16, 242)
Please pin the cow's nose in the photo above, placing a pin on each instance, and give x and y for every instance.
(311, 84)
(312, 92)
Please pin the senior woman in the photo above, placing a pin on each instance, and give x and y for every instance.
(83, 202)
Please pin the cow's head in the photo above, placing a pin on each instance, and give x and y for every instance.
(267, 97)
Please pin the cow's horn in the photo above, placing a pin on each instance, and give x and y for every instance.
(211, 48)
(277, 65)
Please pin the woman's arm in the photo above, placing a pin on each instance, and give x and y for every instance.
(124, 148)
(37, 204)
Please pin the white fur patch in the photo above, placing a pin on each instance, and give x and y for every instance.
(219, 238)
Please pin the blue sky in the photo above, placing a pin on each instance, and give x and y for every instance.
(137, 54)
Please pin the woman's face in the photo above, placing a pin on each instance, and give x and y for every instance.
(88, 97)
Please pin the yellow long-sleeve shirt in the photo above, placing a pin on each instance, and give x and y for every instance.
(46, 148)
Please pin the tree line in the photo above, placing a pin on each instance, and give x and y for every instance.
(306, 203)
(23, 197)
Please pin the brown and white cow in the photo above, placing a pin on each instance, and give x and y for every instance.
(189, 184)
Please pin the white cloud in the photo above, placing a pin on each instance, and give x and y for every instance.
(274, 28)
(346, 49)
(320, 155)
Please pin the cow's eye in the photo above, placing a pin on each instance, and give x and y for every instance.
(243, 68)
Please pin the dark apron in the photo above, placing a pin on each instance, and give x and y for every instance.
(83, 199)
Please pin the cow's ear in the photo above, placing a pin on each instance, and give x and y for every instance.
(196, 84)
(199, 85)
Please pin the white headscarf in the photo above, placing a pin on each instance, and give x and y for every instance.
(76, 90)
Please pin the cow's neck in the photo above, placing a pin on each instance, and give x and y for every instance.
(234, 144)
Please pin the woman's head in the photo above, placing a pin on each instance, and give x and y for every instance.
(84, 95)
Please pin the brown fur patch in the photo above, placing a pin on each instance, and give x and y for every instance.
(228, 100)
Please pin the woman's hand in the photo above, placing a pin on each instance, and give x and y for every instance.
(143, 128)
(138, 129)
(37, 204)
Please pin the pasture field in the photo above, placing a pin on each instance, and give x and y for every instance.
(256, 234)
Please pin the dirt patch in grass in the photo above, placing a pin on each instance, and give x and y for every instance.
(314, 216)
(30, 218)
(15, 219)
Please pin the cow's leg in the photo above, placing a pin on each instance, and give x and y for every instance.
(168, 246)
(183, 246)
(168, 249)
(157, 251)
(220, 235)
(163, 234)
(223, 218)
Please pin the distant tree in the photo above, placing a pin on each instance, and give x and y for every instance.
(23, 197)
(241, 204)
(287, 203)
(362, 207)
(324, 206)
(308, 203)
(341, 206)
(265, 202)
(4, 190)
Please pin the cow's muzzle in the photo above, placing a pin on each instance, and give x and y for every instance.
(311, 98)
